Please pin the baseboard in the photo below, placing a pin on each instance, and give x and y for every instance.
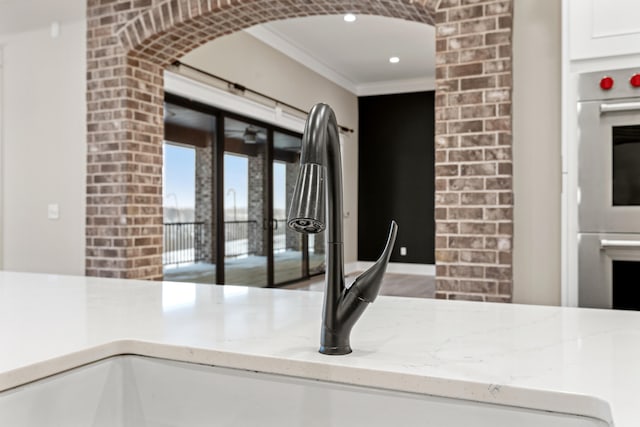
(394, 267)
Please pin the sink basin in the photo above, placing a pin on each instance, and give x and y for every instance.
(139, 391)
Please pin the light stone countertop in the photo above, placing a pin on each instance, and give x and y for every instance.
(577, 361)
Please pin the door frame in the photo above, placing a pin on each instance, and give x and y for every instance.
(218, 151)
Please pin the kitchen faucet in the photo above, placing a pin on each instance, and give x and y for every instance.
(319, 185)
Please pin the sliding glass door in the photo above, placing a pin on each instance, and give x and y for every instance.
(289, 261)
(246, 204)
(238, 176)
(189, 238)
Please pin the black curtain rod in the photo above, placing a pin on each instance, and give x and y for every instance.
(243, 89)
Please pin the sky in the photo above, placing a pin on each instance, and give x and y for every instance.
(236, 177)
(179, 179)
(279, 183)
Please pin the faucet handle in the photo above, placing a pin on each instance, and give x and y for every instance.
(367, 285)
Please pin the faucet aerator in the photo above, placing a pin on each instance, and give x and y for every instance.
(306, 225)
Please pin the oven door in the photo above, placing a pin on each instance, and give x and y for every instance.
(609, 166)
(609, 270)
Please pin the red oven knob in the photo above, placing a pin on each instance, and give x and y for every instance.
(606, 83)
(635, 80)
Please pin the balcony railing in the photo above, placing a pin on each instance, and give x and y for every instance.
(237, 235)
(279, 235)
(184, 241)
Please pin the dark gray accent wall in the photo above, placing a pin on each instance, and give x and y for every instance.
(396, 175)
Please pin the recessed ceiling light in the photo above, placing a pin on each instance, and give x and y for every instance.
(349, 17)
(394, 59)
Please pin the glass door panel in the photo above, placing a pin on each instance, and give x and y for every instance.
(316, 249)
(228, 184)
(288, 254)
(189, 230)
(246, 243)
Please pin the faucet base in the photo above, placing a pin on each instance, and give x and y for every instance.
(335, 351)
(335, 343)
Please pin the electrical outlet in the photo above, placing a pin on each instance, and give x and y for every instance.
(403, 251)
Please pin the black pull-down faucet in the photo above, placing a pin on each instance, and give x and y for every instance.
(319, 185)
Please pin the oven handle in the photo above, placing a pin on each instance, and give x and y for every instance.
(621, 106)
(621, 244)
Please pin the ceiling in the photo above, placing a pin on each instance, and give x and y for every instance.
(354, 55)
(24, 15)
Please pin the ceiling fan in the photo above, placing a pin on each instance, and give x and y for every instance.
(249, 135)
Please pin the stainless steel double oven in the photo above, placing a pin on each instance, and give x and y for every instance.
(609, 189)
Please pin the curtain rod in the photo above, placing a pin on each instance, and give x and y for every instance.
(241, 88)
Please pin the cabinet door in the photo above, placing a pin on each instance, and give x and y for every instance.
(602, 28)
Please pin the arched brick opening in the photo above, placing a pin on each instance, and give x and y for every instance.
(130, 42)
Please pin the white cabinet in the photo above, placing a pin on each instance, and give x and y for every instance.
(603, 28)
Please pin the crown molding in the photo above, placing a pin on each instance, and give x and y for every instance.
(397, 86)
(278, 42)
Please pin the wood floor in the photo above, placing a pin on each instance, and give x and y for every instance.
(252, 272)
(404, 285)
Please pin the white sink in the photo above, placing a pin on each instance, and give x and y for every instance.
(129, 391)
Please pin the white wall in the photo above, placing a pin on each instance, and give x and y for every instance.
(44, 154)
(1, 156)
(243, 59)
(537, 151)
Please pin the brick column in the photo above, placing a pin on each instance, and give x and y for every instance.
(256, 208)
(474, 200)
(204, 200)
(124, 155)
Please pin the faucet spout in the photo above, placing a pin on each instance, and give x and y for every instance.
(320, 181)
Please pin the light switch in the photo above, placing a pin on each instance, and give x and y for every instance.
(53, 211)
(403, 251)
(55, 29)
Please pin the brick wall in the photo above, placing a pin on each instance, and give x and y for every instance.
(474, 200)
(130, 42)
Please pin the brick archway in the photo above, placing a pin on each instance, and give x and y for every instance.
(130, 42)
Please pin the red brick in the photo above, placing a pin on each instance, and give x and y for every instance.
(466, 184)
(470, 155)
(482, 228)
(459, 242)
(446, 256)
